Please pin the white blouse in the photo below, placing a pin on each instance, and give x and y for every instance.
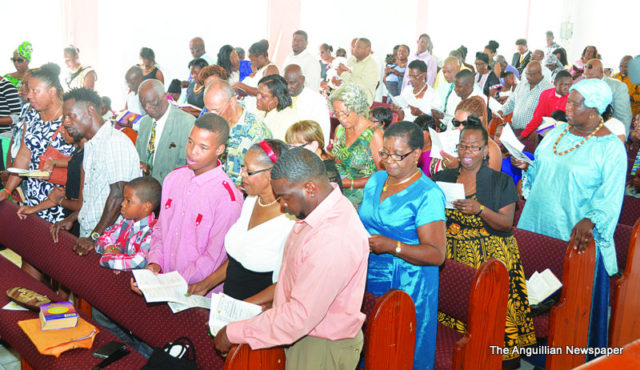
(259, 249)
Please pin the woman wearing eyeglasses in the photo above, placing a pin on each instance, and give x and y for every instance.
(21, 58)
(403, 210)
(479, 228)
(255, 243)
(357, 140)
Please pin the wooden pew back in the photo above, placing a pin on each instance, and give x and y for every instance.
(625, 307)
(390, 333)
(242, 357)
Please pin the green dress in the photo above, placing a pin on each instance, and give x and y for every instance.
(469, 242)
(17, 82)
(355, 161)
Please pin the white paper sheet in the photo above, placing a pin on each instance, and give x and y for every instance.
(225, 309)
(194, 301)
(513, 145)
(162, 287)
(13, 306)
(452, 191)
(400, 101)
(446, 141)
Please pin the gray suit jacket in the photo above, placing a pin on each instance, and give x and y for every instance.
(621, 103)
(171, 151)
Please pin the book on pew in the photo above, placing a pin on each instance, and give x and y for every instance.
(55, 342)
(58, 315)
(225, 309)
(170, 287)
(547, 125)
(542, 285)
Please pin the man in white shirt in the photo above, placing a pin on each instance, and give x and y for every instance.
(110, 161)
(133, 77)
(524, 100)
(309, 104)
(164, 131)
(196, 46)
(302, 57)
(538, 56)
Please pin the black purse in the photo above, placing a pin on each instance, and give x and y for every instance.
(177, 355)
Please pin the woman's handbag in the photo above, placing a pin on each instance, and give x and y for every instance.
(177, 355)
(59, 174)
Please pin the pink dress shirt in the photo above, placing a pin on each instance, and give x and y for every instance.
(432, 68)
(195, 214)
(321, 283)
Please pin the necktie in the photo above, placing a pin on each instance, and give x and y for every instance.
(446, 100)
(521, 58)
(151, 147)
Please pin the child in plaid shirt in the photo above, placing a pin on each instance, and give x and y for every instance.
(125, 245)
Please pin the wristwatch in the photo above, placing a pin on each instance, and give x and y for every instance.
(94, 236)
(398, 249)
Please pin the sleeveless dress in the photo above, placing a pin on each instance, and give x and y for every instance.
(76, 79)
(355, 161)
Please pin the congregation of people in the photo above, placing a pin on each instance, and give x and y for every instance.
(300, 186)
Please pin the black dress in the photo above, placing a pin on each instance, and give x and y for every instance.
(72, 188)
(151, 75)
(242, 283)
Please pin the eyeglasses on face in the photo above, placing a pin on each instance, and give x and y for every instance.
(251, 173)
(471, 148)
(394, 157)
(17, 60)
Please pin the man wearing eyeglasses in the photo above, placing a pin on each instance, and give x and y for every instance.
(245, 128)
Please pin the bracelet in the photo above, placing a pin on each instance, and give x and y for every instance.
(481, 209)
(8, 191)
(398, 248)
(351, 187)
(60, 202)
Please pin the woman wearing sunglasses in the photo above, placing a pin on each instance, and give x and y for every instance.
(21, 58)
(479, 228)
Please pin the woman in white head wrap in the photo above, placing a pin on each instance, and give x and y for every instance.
(575, 187)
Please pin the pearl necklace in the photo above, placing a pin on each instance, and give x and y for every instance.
(580, 143)
(421, 90)
(268, 204)
(386, 183)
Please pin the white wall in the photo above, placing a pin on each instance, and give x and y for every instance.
(167, 26)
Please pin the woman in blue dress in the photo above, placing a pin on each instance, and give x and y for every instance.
(575, 187)
(403, 210)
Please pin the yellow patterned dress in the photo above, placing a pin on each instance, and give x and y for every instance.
(469, 242)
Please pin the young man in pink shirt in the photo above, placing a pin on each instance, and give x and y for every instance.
(199, 205)
(319, 294)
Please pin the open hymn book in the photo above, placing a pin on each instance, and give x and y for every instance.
(170, 287)
(542, 285)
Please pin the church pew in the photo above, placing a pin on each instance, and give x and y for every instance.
(242, 357)
(390, 332)
(12, 276)
(629, 358)
(630, 211)
(110, 293)
(567, 323)
(625, 306)
(478, 298)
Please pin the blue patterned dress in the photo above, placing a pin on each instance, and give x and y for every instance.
(398, 217)
(38, 136)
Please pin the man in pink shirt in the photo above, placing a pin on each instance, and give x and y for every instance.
(319, 294)
(199, 205)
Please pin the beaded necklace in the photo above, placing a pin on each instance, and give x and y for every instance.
(580, 143)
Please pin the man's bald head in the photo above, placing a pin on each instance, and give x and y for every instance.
(450, 68)
(196, 46)
(153, 98)
(219, 99)
(624, 65)
(295, 79)
(537, 55)
(133, 78)
(593, 69)
(534, 72)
